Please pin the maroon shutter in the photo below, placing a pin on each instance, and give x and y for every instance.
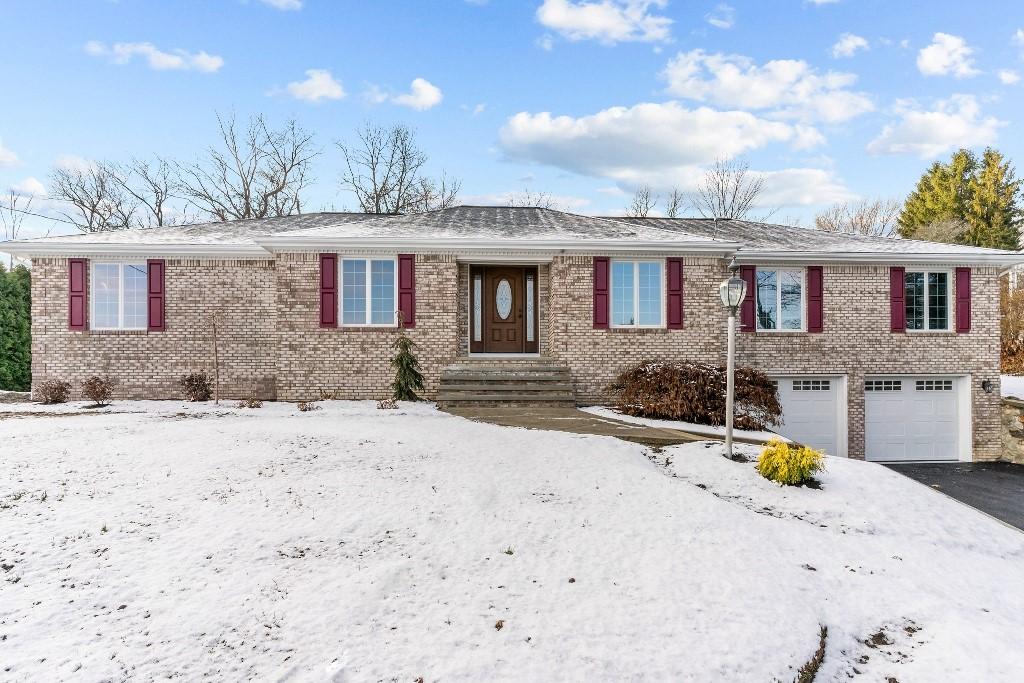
(675, 293)
(815, 289)
(78, 294)
(600, 292)
(747, 323)
(897, 300)
(328, 290)
(407, 289)
(963, 299)
(155, 278)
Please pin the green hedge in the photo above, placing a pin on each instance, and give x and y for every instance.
(15, 329)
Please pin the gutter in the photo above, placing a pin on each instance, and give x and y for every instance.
(1005, 259)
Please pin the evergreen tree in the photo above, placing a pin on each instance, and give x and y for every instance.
(981, 195)
(15, 329)
(408, 379)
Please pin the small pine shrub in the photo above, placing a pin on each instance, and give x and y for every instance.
(54, 391)
(306, 406)
(197, 386)
(98, 390)
(789, 464)
(408, 379)
(695, 392)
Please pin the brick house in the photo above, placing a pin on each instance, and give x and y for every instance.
(882, 349)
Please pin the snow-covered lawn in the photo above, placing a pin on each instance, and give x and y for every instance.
(353, 544)
(690, 427)
(1012, 385)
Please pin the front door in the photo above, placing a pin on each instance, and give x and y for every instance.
(502, 304)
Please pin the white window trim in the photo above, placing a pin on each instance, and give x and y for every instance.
(636, 294)
(778, 301)
(368, 293)
(120, 294)
(950, 302)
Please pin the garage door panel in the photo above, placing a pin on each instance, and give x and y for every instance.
(810, 411)
(911, 418)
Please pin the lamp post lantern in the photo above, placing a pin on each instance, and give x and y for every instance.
(732, 293)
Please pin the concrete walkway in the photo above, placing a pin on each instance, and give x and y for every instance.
(576, 422)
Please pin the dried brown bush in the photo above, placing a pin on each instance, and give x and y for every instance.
(198, 386)
(387, 404)
(53, 391)
(1011, 309)
(695, 392)
(98, 390)
(251, 402)
(306, 406)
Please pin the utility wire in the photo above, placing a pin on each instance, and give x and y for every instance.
(37, 215)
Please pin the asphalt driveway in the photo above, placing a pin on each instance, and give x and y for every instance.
(996, 488)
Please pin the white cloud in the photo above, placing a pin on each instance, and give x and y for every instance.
(1008, 76)
(848, 44)
(319, 85)
(422, 95)
(29, 187)
(955, 122)
(822, 2)
(723, 16)
(73, 162)
(123, 53)
(606, 21)
(787, 88)
(286, 5)
(947, 55)
(7, 157)
(474, 110)
(802, 187)
(1018, 37)
(546, 42)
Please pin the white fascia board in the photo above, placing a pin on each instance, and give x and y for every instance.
(28, 249)
(805, 257)
(462, 245)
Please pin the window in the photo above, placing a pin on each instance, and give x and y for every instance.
(812, 385)
(883, 385)
(927, 300)
(637, 293)
(368, 292)
(119, 292)
(780, 300)
(933, 385)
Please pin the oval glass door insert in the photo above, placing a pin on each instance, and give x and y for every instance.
(503, 299)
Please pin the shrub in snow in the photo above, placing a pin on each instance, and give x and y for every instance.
(695, 392)
(387, 404)
(197, 386)
(53, 391)
(789, 464)
(98, 390)
(408, 379)
(251, 402)
(306, 406)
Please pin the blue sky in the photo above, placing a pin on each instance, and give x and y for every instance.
(584, 100)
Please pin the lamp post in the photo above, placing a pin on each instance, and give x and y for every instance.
(732, 292)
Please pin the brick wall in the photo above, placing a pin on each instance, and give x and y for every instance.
(356, 361)
(149, 364)
(856, 340)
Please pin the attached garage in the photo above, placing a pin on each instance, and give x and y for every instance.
(814, 411)
(925, 418)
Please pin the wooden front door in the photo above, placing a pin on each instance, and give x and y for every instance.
(503, 301)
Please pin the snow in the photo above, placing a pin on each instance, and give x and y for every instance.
(691, 427)
(1012, 385)
(159, 539)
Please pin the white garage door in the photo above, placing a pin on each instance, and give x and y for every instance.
(911, 418)
(810, 411)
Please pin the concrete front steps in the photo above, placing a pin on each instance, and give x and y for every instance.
(492, 382)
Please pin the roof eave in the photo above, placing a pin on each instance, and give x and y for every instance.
(996, 259)
(29, 249)
(457, 244)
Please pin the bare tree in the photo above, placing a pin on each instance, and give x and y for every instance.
(543, 200)
(674, 203)
(152, 185)
(99, 200)
(383, 169)
(254, 173)
(728, 190)
(948, 231)
(643, 202)
(12, 216)
(866, 217)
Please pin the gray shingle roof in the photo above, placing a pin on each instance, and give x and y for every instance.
(500, 223)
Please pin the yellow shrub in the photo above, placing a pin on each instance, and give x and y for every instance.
(786, 464)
